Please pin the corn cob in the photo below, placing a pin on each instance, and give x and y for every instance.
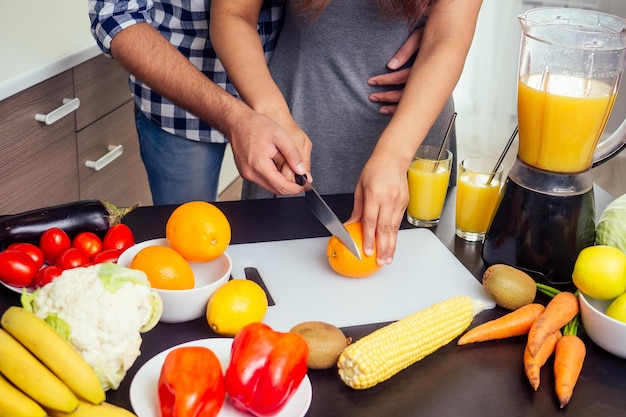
(390, 349)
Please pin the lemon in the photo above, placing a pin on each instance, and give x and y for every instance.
(600, 272)
(617, 308)
(234, 305)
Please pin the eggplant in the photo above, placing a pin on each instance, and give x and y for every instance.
(79, 216)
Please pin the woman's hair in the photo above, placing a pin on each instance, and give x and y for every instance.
(411, 10)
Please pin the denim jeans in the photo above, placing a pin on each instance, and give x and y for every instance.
(179, 170)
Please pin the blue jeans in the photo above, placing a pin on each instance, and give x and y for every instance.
(179, 170)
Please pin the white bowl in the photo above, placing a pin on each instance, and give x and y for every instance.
(606, 332)
(185, 305)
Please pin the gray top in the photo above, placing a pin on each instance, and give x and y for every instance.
(322, 67)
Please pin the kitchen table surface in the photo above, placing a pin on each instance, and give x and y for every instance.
(486, 379)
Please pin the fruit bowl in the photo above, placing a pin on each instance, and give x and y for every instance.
(185, 305)
(606, 332)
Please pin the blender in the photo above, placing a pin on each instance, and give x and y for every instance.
(570, 66)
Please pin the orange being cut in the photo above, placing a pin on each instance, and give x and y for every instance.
(343, 262)
(198, 230)
(166, 269)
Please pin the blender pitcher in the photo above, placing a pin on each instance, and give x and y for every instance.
(570, 67)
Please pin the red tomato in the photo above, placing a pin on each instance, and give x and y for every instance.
(17, 268)
(46, 275)
(32, 250)
(88, 242)
(110, 255)
(52, 242)
(71, 258)
(119, 236)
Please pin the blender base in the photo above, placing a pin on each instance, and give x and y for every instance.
(542, 222)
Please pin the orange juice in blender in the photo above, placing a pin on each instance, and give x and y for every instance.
(560, 120)
(570, 65)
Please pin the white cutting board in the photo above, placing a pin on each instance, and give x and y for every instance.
(304, 287)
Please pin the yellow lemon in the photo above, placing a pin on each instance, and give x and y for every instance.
(617, 308)
(234, 305)
(600, 272)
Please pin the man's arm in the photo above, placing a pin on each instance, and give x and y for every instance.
(129, 38)
(397, 77)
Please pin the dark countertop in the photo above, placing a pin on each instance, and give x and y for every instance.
(485, 379)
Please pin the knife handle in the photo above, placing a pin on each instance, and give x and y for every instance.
(301, 179)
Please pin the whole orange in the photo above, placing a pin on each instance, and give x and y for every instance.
(343, 262)
(166, 269)
(198, 230)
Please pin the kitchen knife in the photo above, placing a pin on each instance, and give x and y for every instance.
(326, 216)
(252, 274)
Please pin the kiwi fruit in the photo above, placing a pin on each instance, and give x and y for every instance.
(325, 341)
(509, 287)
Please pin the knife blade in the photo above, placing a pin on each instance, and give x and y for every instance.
(326, 216)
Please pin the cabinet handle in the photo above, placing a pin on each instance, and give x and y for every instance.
(114, 153)
(69, 105)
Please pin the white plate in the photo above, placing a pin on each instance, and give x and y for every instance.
(18, 289)
(143, 388)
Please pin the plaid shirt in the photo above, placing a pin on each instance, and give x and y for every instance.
(185, 23)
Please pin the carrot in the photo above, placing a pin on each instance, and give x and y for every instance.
(562, 308)
(569, 356)
(533, 364)
(515, 323)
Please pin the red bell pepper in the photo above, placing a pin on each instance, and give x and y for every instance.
(265, 369)
(191, 383)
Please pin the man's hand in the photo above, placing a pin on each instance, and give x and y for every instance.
(402, 56)
(264, 153)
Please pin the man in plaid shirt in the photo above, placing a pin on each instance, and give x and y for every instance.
(186, 107)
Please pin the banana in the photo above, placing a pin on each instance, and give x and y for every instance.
(14, 403)
(86, 409)
(20, 367)
(54, 351)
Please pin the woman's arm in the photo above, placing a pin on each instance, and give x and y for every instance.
(236, 41)
(381, 195)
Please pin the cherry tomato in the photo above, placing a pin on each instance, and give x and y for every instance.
(46, 275)
(119, 236)
(52, 242)
(71, 258)
(88, 242)
(110, 255)
(17, 268)
(32, 250)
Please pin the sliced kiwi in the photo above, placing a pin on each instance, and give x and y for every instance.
(325, 341)
(509, 287)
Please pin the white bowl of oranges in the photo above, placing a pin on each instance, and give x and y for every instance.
(189, 264)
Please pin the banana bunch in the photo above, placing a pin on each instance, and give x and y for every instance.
(41, 374)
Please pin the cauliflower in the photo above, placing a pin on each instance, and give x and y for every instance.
(101, 310)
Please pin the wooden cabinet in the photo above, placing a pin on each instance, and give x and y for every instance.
(105, 124)
(38, 161)
(43, 165)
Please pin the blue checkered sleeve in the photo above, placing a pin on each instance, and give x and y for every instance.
(186, 25)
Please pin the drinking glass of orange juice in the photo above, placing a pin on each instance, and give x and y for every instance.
(476, 197)
(428, 176)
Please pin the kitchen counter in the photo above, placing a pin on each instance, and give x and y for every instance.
(485, 379)
(41, 39)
